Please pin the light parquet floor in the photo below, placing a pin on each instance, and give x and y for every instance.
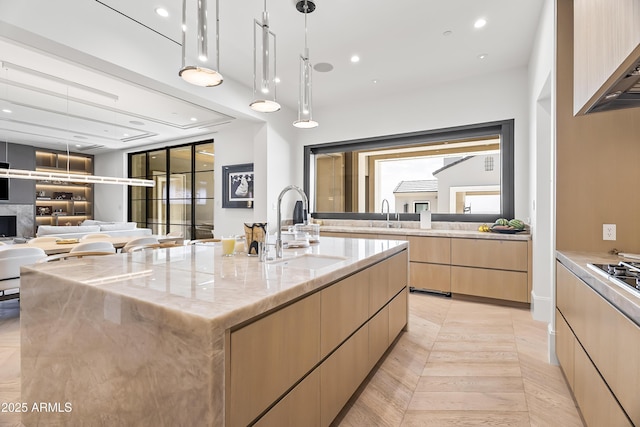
(460, 364)
(465, 363)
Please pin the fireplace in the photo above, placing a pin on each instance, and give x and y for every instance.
(7, 225)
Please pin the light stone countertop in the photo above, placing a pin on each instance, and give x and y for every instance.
(197, 280)
(140, 338)
(459, 230)
(623, 298)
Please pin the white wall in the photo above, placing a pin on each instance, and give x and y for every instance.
(110, 201)
(542, 178)
(487, 98)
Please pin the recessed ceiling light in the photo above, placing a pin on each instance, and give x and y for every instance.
(162, 12)
(78, 145)
(125, 134)
(447, 33)
(136, 122)
(277, 80)
(374, 81)
(193, 119)
(483, 55)
(6, 110)
(355, 58)
(480, 23)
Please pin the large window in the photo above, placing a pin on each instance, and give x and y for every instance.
(459, 174)
(182, 199)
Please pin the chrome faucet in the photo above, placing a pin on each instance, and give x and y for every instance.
(382, 209)
(279, 217)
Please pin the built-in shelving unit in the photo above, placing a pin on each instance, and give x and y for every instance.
(63, 203)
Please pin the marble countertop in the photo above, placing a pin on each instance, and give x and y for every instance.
(433, 232)
(197, 280)
(623, 298)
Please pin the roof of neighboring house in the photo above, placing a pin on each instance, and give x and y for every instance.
(417, 186)
(457, 162)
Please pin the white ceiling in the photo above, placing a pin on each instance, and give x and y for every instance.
(402, 46)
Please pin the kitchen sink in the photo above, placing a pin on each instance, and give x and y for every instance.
(308, 261)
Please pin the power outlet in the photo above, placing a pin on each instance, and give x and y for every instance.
(608, 232)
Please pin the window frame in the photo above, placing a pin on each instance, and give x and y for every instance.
(504, 128)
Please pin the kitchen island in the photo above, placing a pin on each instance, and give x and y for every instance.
(185, 336)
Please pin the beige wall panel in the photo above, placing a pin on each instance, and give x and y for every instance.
(596, 155)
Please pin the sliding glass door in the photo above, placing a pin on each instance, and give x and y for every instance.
(182, 199)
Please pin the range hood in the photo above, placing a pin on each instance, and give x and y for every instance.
(625, 93)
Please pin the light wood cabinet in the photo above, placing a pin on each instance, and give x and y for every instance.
(300, 407)
(609, 341)
(344, 307)
(497, 284)
(565, 348)
(490, 253)
(341, 374)
(436, 250)
(435, 277)
(261, 357)
(305, 360)
(606, 43)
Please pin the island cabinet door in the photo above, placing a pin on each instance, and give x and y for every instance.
(300, 407)
(435, 277)
(378, 336)
(344, 308)
(398, 309)
(268, 356)
(497, 284)
(397, 273)
(341, 374)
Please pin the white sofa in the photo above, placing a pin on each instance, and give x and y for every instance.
(114, 229)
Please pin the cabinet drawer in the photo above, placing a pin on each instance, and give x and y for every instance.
(485, 253)
(499, 284)
(608, 337)
(378, 336)
(436, 277)
(398, 314)
(341, 374)
(270, 355)
(300, 407)
(565, 342)
(598, 406)
(344, 308)
(397, 273)
(430, 249)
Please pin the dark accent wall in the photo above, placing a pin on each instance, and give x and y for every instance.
(21, 191)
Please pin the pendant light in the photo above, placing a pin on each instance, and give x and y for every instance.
(305, 120)
(195, 74)
(265, 101)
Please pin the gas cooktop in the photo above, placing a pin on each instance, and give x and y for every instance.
(624, 273)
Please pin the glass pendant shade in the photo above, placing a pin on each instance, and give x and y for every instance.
(200, 75)
(305, 120)
(304, 96)
(264, 67)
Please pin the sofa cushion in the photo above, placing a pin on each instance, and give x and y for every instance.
(45, 230)
(118, 226)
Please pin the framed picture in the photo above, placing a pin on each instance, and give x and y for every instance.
(237, 186)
